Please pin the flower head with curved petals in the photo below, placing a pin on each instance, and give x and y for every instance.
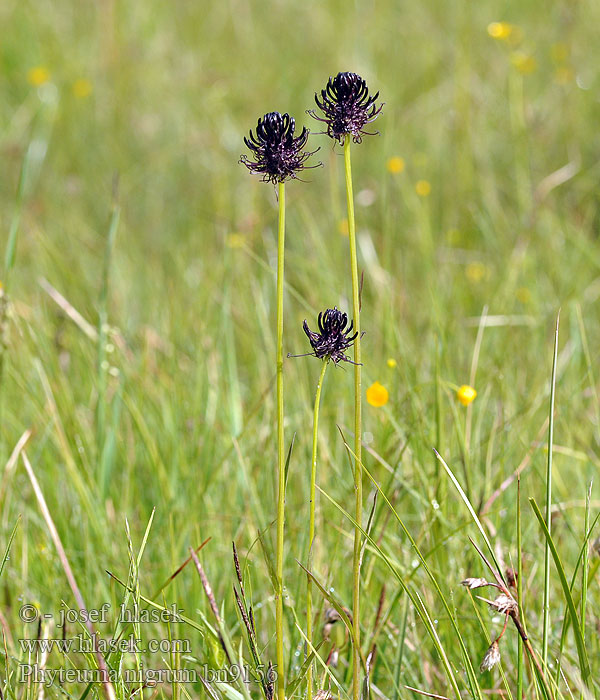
(347, 107)
(333, 337)
(278, 154)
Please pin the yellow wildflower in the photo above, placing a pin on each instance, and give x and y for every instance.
(82, 88)
(395, 165)
(423, 188)
(38, 76)
(391, 363)
(525, 63)
(466, 394)
(523, 295)
(343, 227)
(476, 271)
(235, 240)
(377, 395)
(500, 30)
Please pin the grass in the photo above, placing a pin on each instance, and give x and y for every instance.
(139, 342)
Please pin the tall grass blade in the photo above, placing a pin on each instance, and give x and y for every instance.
(471, 510)
(8, 546)
(584, 664)
(546, 604)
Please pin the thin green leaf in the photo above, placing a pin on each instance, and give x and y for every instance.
(584, 664)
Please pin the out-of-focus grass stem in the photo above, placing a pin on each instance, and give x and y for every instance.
(311, 526)
(103, 325)
(519, 129)
(519, 593)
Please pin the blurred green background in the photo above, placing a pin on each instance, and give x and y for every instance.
(478, 196)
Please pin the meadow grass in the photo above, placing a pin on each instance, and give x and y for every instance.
(138, 343)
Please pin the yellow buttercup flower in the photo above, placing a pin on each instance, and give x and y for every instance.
(377, 395)
(423, 188)
(235, 240)
(525, 63)
(82, 88)
(391, 363)
(476, 271)
(500, 30)
(395, 165)
(466, 394)
(38, 76)
(523, 295)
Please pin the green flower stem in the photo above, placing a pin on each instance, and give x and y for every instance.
(311, 526)
(280, 447)
(357, 426)
(519, 592)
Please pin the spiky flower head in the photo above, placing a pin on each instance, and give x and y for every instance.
(278, 154)
(333, 337)
(347, 106)
(491, 658)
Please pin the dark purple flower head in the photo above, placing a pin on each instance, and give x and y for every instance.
(347, 106)
(277, 153)
(333, 337)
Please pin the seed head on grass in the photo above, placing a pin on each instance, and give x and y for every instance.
(323, 695)
(347, 106)
(334, 336)
(491, 657)
(278, 154)
(503, 604)
(475, 583)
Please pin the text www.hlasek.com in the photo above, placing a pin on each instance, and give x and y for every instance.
(81, 644)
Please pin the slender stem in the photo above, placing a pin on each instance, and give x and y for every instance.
(519, 132)
(499, 637)
(280, 446)
(548, 515)
(523, 634)
(311, 525)
(9, 261)
(585, 560)
(102, 333)
(357, 426)
(519, 591)
(584, 567)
